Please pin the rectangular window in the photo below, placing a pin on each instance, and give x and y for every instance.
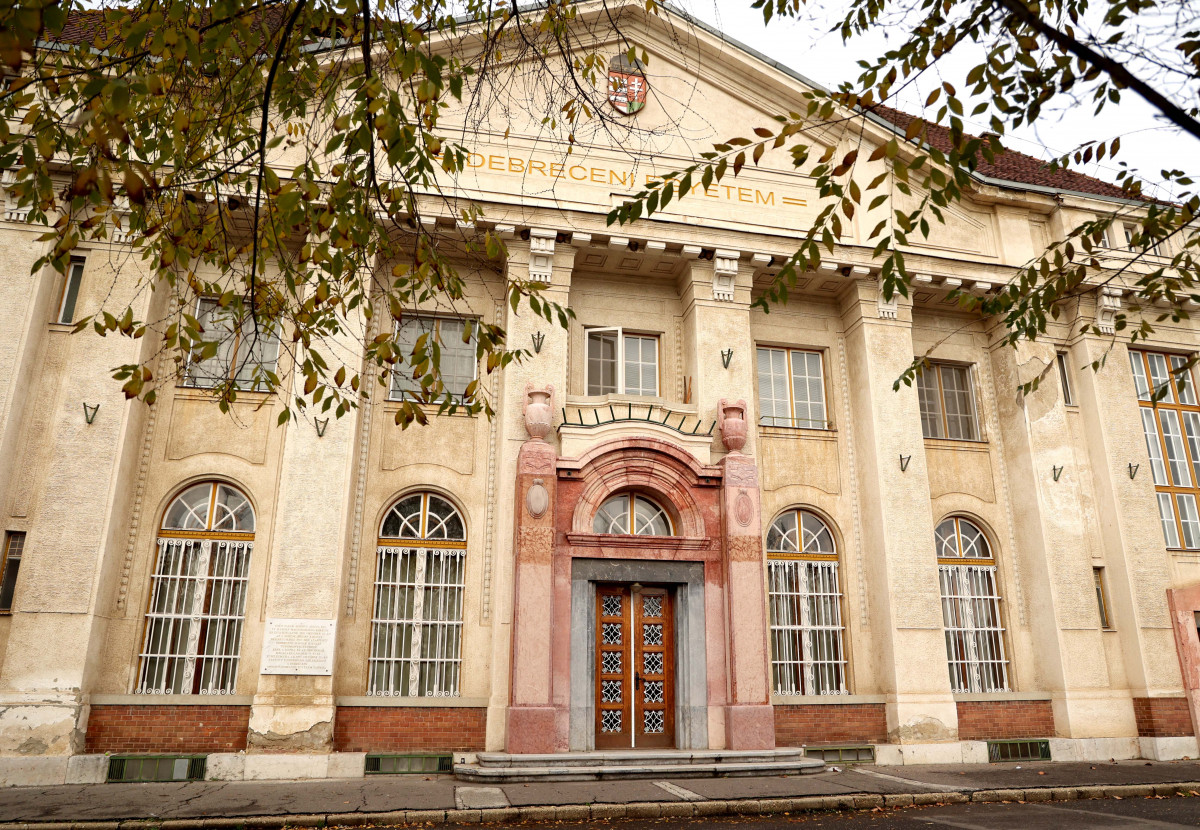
(1101, 598)
(947, 403)
(14, 545)
(1064, 376)
(457, 359)
(1171, 427)
(244, 351)
(621, 363)
(416, 631)
(70, 293)
(791, 388)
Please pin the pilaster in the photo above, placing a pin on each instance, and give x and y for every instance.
(1134, 551)
(901, 568)
(1053, 548)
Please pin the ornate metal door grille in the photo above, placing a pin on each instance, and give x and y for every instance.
(635, 668)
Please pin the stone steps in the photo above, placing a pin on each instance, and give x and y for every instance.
(501, 767)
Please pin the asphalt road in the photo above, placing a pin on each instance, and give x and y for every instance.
(1098, 814)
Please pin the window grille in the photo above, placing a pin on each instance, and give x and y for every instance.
(457, 359)
(807, 654)
(245, 353)
(416, 627)
(947, 403)
(791, 388)
(1171, 426)
(619, 362)
(197, 605)
(970, 609)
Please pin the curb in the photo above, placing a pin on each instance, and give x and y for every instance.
(649, 809)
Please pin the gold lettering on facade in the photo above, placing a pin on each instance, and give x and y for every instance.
(605, 175)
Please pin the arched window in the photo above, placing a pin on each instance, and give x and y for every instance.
(970, 608)
(807, 657)
(416, 629)
(198, 593)
(632, 514)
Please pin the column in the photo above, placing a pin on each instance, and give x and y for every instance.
(900, 565)
(529, 710)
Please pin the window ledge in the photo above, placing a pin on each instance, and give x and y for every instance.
(963, 444)
(777, 431)
(624, 540)
(244, 396)
(392, 405)
(1012, 696)
(824, 700)
(404, 700)
(170, 700)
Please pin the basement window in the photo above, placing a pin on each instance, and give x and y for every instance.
(842, 754)
(408, 764)
(130, 768)
(1002, 751)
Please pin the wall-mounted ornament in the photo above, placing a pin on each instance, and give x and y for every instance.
(537, 499)
(627, 86)
(743, 509)
(732, 418)
(89, 412)
(1133, 468)
(541, 254)
(321, 424)
(1057, 472)
(904, 459)
(725, 270)
(539, 411)
(538, 340)
(726, 357)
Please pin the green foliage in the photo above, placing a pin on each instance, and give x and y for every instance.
(1021, 59)
(278, 156)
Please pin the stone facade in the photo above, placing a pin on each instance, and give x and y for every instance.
(514, 661)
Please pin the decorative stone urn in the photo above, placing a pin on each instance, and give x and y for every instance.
(732, 418)
(539, 411)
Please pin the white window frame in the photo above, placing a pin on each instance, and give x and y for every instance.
(395, 393)
(808, 423)
(812, 650)
(68, 300)
(200, 581)
(236, 362)
(427, 642)
(975, 649)
(621, 334)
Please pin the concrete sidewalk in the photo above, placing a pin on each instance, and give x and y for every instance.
(404, 799)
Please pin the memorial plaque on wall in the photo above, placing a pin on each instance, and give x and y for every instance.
(298, 647)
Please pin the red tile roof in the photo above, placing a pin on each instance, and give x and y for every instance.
(1011, 166)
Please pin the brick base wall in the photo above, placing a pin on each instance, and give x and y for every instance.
(831, 723)
(1162, 717)
(184, 729)
(409, 729)
(981, 720)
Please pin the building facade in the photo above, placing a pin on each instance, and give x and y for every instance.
(691, 524)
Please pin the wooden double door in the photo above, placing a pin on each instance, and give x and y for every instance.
(635, 667)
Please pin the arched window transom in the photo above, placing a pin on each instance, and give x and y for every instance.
(425, 517)
(198, 589)
(805, 598)
(420, 574)
(632, 514)
(970, 608)
(958, 538)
